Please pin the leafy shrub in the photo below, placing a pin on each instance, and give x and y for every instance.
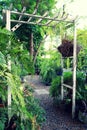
(68, 78)
(34, 115)
(47, 72)
(50, 68)
(38, 64)
(3, 118)
(26, 108)
(80, 85)
(55, 87)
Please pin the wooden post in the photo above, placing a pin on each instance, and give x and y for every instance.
(8, 19)
(62, 93)
(9, 62)
(74, 72)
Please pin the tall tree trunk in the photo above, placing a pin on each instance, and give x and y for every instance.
(31, 45)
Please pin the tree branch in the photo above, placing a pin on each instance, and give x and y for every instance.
(38, 49)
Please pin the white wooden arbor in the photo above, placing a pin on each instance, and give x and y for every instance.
(38, 21)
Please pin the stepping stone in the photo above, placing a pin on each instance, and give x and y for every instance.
(41, 91)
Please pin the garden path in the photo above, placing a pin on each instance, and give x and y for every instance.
(56, 118)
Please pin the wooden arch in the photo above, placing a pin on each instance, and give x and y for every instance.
(38, 21)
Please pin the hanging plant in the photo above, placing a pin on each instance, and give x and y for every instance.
(66, 48)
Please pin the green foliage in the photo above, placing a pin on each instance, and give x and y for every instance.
(22, 104)
(82, 37)
(82, 61)
(33, 114)
(55, 87)
(81, 89)
(38, 64)
(20, 60)
(2, 59)
(68, 79)
(82, 58)
(3, 118)
(25, 35)
(47, 6)
(32, 105)
(80, 85)
(49, 68)
(3, 69)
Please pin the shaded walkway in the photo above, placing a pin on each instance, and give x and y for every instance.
(56, 119)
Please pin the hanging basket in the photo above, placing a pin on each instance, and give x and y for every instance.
(66, 48)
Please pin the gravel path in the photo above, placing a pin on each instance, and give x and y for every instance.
(56, 118)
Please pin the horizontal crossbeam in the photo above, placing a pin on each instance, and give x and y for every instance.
(68, 86)
(18, 25)
(41, 18)
(37, 16)
(26, 22)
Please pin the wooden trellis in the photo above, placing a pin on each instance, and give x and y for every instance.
(38, 20)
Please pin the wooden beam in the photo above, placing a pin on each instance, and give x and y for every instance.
(52, 20)
(25, 22)
(71, 57)
(9, 63)
(74, 72)
(62, 91)
(45, 14)
(37, 4)
(24, 9)
(8, 20)
(33, 14)
(68, 86)
(37, 16)
(19, 24)
(62, 19)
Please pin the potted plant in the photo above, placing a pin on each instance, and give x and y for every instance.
(83, 113)
(59, 71)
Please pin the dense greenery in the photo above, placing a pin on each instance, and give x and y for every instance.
(80, 85)
(24, 106)
(50, 67)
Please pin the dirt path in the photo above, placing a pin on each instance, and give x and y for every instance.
(56, 119)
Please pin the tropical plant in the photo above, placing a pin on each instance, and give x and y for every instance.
(50, 68)
(55, 88)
